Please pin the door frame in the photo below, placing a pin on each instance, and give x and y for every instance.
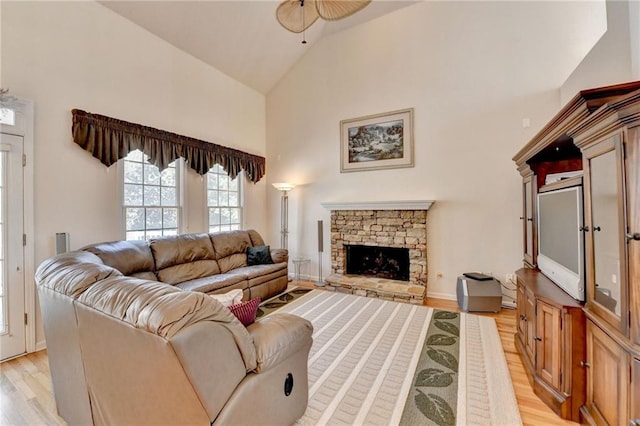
(24, 127)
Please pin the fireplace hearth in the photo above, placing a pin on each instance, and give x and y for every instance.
(382, 262)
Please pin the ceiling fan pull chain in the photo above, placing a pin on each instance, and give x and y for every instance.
(304, 32)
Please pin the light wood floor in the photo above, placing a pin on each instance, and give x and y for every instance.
(26, 397)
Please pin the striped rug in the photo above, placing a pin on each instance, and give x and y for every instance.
(370, 361)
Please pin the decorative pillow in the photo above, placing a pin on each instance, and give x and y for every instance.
(246, 311)
(260, 255)
(229, 298)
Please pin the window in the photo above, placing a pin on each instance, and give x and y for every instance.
(224, 201)
(151, 199)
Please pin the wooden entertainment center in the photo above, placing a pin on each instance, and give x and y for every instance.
(583, 357)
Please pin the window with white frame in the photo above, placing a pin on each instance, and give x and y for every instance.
(151, 200)
(224, 201)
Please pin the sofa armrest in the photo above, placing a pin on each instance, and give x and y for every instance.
(277, 337)
(280, 255)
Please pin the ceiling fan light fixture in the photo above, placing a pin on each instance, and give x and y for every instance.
(297, 15)
(332, 10)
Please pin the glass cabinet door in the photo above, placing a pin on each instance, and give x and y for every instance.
(528, 197)
(607, 274)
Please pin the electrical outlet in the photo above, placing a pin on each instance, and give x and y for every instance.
(509, 304)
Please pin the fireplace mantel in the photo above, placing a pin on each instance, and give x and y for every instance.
(379, 205)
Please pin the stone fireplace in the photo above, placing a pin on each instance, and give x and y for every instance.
(397, 227)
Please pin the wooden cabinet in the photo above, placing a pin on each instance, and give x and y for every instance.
(610, 142)
(597, 133)
(550, 339)
(607, 378)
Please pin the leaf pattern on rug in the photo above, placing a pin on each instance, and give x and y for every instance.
(277, 302)
(448, 327)
(443, 358)
(435, 408)
(441, 340)
(445, 315)
(434, 377)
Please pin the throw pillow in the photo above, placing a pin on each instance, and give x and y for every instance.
(260, 255)
(229, 298)
(246, 311)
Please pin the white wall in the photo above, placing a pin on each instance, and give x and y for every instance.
(472, 72)
(634, 37)
(66, 55)
(612, 59)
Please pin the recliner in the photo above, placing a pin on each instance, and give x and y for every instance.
(125, 350)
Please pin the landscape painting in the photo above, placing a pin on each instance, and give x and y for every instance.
(380, 141)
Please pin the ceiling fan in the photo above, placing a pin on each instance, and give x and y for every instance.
(298, 15)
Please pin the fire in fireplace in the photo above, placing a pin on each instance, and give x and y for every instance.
(374, 261)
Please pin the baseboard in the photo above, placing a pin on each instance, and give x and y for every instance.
(41, 345)
(445, 296)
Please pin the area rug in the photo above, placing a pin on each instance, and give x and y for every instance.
(376, 362)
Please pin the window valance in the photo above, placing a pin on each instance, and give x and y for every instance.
(109, 139)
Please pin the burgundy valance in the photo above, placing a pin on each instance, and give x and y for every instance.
(109, 139)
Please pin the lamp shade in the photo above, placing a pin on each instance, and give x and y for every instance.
(282, 186)
(296, 18)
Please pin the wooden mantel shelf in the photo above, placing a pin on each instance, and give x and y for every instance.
(379, 205)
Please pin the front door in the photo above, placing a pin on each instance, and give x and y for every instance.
(12, 282)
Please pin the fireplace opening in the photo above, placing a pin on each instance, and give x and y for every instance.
(382, 262)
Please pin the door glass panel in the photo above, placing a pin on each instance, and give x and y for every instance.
(528, 217)
(3, 270)
(605, 229)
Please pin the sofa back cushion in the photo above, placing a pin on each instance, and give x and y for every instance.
(180, 258)
(231, 249)
(128, 257)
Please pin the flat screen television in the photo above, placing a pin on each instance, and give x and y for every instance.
(560, 236)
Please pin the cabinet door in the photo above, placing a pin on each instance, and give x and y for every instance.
(607, 378)
(530, 316)
(605, 227)
(548, 344)
(632, 235)
(635, 392)
(528, 212)
(521, 312)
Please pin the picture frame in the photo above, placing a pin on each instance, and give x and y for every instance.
(376, 142)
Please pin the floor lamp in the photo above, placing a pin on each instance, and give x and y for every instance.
(284, 212)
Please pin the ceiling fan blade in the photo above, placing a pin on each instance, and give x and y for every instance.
(295, 18)
(332, 10)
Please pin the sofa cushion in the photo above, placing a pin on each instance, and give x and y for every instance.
(256, 239)
(128, 257)
(73, 273)
(188, 271)
(215, 282)
(277, 337)
(258, 270)
(229, 243)
(145, 276)
(181, 258)
(177, 249)
(260, 255)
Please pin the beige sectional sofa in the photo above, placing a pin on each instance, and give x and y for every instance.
(208, 263)
(126, 348)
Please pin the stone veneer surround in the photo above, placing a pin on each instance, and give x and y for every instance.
(385, 228)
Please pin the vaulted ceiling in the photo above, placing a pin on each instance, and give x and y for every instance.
(240, 38)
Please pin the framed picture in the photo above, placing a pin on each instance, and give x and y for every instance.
(380, 141)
